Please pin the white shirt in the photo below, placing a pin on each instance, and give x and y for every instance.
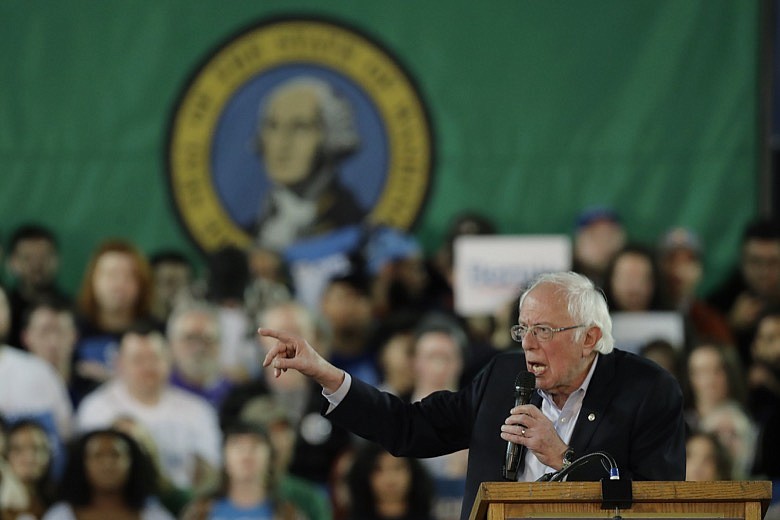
(184, 426)
(563, 420)
(29, 386)
(151, 511)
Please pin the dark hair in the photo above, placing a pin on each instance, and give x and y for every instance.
(53, 302)
(170, 256)
(762, 229)
(242, 427)
(723, 462)
(437, 322)
(732, 365)
(656, 298)
(356, 281)
(359, 480)
(665, 348)
(141, 483)
(31, 231)
(228, 274)
(44, 487)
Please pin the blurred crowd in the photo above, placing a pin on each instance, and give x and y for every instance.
(143, 395)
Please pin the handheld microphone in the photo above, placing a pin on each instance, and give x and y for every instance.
(525, 383)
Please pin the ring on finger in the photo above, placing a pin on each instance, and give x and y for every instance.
(522, 432)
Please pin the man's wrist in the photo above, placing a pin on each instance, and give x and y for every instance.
(567, 458)
(333, 380)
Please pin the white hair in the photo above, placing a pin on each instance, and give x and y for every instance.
(586, 304)
(340, 135)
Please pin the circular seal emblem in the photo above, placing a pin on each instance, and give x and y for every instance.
(293, 129)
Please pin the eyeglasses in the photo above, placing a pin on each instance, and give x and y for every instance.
(540, 332)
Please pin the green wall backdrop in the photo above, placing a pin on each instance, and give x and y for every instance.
(538, 109)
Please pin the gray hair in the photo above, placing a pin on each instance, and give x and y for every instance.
(586, 304)
(191, 307)
(341, 136)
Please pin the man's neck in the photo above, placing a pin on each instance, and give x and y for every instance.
(148, 398)
(247, 494)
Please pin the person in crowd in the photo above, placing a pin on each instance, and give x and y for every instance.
(384, 487)
(227, 274)
(184, 426)
(588, 398)
(714, 376)
(441, 267)
(195, 337)
(116, 292)
(30, 457)
(395, 364)
(14, 500)
(346, 306)
(33, 264)
(682, 268)
(399, 277)
(632, 282)
(49, 332)
(440, 347)
(172, 497)
(754, 285)
(706, 459)
(338, 486)
(172, 277)
(598, 235)
(318, 442)
(30, 387)
(248, 487)
(737, 432)
(309, 498)
(107, 476)
(764, 393)
(664, 354)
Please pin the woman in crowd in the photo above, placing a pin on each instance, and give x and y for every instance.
(633, 283)
(107, 476)
(248, 485)
(706, 459)
(384, 487)
(30, 459)
(714, 377)
(116, 292)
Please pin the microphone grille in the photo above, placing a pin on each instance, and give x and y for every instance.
(525, 379)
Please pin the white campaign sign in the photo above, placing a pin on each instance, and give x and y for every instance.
(491, 270)
(633, 330)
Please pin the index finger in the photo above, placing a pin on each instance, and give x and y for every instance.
(278, 334)
(527, 409)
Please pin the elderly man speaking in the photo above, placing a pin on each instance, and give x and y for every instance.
(588, 398)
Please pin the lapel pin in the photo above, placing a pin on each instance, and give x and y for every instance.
(592, 417)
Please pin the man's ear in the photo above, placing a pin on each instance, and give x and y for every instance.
(592, 337)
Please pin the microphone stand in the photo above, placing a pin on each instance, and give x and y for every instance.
(615, 493)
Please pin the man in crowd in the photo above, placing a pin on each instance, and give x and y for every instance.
(183, 425)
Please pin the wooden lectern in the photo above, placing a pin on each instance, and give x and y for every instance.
(651, 500)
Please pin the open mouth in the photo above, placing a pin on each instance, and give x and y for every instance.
(537, 369)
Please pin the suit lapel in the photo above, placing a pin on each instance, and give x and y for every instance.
(596, 401)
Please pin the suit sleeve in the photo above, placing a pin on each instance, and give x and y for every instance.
(439, 424)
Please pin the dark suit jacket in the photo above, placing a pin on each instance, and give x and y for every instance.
(636, 409)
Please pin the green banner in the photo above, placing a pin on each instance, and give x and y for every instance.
(537, 109)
